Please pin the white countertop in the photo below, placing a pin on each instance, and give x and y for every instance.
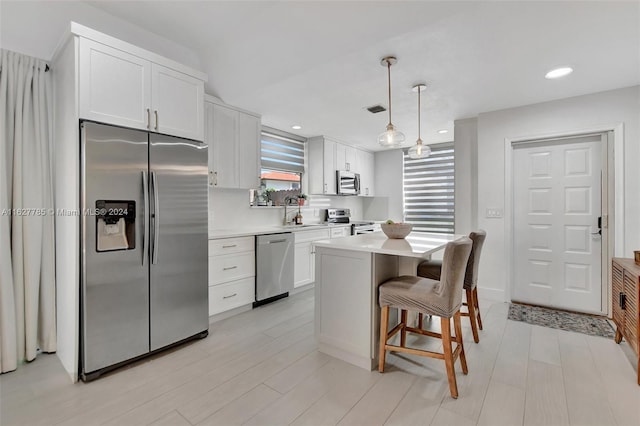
(263, 230)
(416, 244)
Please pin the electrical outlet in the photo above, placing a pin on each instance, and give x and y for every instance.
(494, 212)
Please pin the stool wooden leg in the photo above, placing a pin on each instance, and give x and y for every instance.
(445, 325)
(420, 320)
(458, 327)
(475, 298)
(471, 304)
(384, 325)
(403, 332)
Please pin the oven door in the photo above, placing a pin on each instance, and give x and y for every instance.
(348, 183)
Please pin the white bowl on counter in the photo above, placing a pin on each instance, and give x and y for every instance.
(396, 230)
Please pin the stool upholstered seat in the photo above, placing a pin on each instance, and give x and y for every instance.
(442, 298)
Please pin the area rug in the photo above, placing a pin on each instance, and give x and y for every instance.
(569, 321)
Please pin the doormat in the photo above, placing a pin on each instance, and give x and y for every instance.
(568, 321)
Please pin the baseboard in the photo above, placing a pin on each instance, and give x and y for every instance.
(301, 289)
(491, 294)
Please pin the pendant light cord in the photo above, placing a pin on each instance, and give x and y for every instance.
(389, 86)
(419, 90)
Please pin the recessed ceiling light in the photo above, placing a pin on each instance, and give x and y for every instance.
(443, 131)
(296, 127)
(558, 72)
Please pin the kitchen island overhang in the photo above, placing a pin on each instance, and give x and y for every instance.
(348, 273)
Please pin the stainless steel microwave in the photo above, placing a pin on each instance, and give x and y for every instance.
(348, 182)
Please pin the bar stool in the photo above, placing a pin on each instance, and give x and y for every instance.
(431, 269)
(441, 298)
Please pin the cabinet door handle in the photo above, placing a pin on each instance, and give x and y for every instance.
(148, 119)
(229, 268)
(228, 297)
(215, 178)
(623, 301)
(156, 114)
(230, 246)
(211, 178)
(325, 188)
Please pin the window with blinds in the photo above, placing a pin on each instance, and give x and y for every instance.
(282, 152)
(429, 190)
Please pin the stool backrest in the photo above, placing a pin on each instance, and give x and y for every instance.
(471, 276)
(454, 263)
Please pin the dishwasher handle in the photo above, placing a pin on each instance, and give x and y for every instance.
(277, 241)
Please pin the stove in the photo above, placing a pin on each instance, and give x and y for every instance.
(357, 226)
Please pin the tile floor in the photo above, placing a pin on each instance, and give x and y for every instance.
(262, 368)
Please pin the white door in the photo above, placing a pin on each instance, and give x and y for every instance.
(177, 103)
(557, 205)
(224, 134)
(249, 128)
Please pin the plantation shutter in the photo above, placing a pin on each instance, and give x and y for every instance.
(429, 190)
(279, 152)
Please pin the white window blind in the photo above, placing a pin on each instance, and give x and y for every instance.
(429, 190)
(280, 152)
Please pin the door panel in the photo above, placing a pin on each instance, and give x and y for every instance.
(179, 306)
(557, 202)
(115, 284)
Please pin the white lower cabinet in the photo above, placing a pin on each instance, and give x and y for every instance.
(223, 297)
(304, 271)
(232, 273)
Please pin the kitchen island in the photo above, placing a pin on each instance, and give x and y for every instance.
(348, 273)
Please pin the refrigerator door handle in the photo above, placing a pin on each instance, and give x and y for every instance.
(156, 218)
(145, 195)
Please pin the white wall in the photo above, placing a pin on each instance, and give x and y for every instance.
(466, 175)
(388, 181)
(36, 27)
(555, 117)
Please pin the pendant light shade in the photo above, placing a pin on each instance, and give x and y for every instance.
(419, 150)
(390, 137)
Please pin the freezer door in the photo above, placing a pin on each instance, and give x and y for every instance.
(179, 260)
(115, 280)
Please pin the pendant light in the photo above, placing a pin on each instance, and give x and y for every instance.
(419, 150)
(390, 137)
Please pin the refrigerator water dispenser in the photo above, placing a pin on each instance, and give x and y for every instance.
(115, 225)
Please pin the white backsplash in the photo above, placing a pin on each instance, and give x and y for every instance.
(229, 209)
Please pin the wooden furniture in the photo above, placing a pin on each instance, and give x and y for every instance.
(626, 289)
(348, 273)
(232, 273)
(233, 136)
(441, 298)
(432, 269)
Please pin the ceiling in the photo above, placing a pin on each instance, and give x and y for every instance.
(317, 63)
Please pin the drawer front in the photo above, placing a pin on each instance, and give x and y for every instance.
(231, 295)
(231, 245)
(315, 235)
(339, 232)
(231, 267)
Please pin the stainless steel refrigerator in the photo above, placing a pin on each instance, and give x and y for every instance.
(143, 244)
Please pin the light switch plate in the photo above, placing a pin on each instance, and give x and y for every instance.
(494, 212)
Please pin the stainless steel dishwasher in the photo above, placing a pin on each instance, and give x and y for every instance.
(274, 267)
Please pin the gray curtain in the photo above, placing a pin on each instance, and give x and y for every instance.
(27, 272)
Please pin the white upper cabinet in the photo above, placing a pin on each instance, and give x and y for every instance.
(365, 166)
(115, 87)
(233, 137)
(345, 157)
(177, 103)
(125, 89)
(321, 157)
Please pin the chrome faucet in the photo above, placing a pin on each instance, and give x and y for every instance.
(288, 198)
